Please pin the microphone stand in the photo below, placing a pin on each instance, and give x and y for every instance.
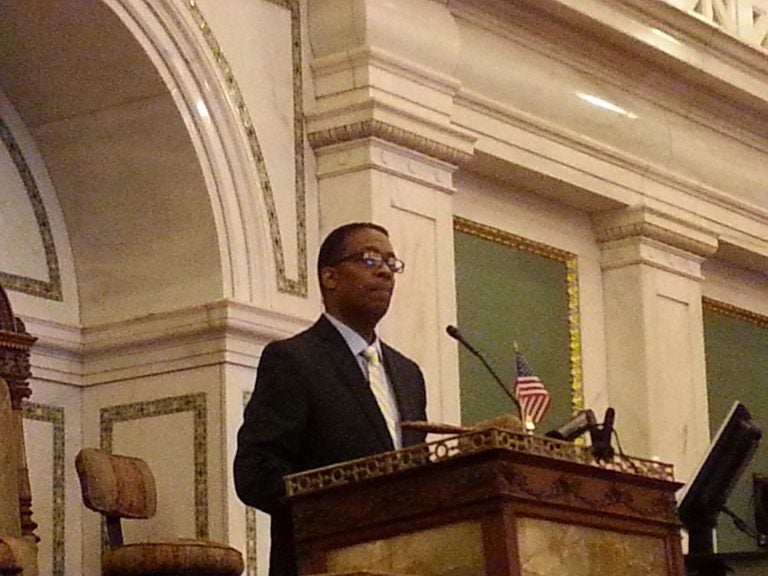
(454, 333)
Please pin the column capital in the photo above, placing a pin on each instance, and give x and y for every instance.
(644, 222)
(361, 50)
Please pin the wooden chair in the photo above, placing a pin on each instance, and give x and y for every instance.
(124, 487)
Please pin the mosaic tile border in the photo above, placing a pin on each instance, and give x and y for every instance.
(572, 288)
(251, 533)
(296, 286)
(53, 415)
(195, 403)
(50, 290)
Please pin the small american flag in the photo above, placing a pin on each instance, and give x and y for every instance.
(530, 393)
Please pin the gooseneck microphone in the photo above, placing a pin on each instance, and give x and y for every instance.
(454, 333)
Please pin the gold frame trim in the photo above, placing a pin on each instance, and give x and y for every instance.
(734, 312)
(572, 288)
(297, 286)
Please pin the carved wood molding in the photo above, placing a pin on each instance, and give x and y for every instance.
(15, 344)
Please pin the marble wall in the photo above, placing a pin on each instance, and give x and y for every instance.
(168, 170)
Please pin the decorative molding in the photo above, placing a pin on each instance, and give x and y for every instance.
(194, 403)
(297, 286)
(463, 445)
(54, 415)
(387, 158)
(572, 288)
(734, 312)
(631, 20)
(216, 333)
(379, 129)
(745, 19)
(657, 177)
(51, 289)
(645, 222)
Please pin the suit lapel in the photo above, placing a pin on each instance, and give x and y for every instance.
(350, 373)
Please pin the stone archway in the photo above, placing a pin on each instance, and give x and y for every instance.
(145, 155)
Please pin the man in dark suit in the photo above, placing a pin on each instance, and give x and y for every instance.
(322, 396)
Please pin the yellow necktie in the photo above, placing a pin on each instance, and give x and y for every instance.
(382, 393)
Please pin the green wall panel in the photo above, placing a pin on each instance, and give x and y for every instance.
(737, 369)
(507, 294)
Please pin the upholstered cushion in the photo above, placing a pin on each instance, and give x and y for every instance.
(116, 485)
(9, 563)
(172, 558)
(18, 555)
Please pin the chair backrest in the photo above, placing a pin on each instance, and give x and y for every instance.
(117, 486)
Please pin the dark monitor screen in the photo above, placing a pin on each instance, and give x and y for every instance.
(705, 495)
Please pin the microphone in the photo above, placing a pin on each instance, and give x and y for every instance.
(601, 437)
(454, 333)
(575, 427)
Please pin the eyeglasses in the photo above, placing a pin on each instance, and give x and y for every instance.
(374, 260)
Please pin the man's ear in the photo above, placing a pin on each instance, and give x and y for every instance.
(328, 278)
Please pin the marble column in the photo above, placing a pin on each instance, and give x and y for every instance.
(386, 152)
(652, 278)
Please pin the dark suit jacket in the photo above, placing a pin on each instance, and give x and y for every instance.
(312, 407)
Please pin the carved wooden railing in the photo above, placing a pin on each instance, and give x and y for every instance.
(745, 19)
(15, 345)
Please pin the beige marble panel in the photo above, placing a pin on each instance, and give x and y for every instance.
(256, 38)
(655, 353)
(131, 187)
(590, 102)
(23, 253)
(553, 549)
(27, 238)
(452, 550)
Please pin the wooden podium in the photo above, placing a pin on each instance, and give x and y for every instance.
(491, 502)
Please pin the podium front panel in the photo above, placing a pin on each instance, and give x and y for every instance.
(491, 502)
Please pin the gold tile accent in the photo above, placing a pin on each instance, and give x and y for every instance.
(572, 287)
(297, 286)
(251, 533)
(50, 290)
(195, 403)
(53, 415)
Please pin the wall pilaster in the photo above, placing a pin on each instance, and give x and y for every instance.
(389, 155)
(654, 333)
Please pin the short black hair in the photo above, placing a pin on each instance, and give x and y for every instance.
(332, 248)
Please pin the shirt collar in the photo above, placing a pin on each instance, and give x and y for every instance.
(355, 342)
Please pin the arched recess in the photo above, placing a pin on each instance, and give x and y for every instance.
(146, 153)
(174, 44)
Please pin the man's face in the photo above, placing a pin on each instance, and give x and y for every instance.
(355, 292)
